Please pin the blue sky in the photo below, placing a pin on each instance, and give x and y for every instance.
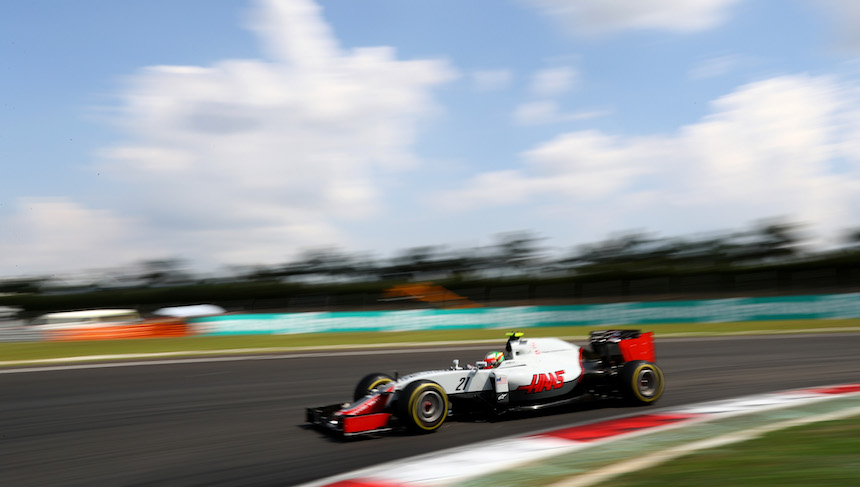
(244, 133)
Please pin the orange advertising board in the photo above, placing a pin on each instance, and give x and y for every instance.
(160, 328)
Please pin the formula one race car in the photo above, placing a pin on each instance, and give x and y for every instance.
(530, 374)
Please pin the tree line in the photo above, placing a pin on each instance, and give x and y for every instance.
(512, 255)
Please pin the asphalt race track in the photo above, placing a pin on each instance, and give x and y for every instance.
(240, 423)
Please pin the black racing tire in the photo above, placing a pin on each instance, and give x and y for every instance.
(642, 382)
(422, 406)
(369, 383)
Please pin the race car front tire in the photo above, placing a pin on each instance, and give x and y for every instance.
(422, 406)
(642, 382)
(369, 383)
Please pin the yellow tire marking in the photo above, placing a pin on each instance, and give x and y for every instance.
(414, 398)
(378, 383)
(658, 392)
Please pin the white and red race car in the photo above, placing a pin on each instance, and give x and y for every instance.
(531, 374)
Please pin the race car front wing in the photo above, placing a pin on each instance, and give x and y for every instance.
(367, 415)
(332, 418)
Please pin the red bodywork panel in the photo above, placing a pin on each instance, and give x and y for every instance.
(641, 348)
(372, 405)
(367, 414)
(366, 422)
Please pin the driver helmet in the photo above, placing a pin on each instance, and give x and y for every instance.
(493, 359)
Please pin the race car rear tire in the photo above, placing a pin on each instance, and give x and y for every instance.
(369, 383)
(422, 406)
(642, 382)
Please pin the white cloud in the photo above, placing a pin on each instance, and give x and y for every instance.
(716, 66)
(248, 160)
(536, 112)
(293, 31)
(547, 84)
(241, 161)
(767, 149)
(589, 17)
(56, 235)
(552, 82)
(491, 80)
(547, 111)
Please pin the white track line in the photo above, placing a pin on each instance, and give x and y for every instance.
(295, 354)
(247, 353)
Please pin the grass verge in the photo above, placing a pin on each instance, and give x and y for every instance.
(254, 343)
(821, 454)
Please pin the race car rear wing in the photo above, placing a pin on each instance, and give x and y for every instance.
(619, 346)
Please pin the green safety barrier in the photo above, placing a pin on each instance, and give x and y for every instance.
(832, 306)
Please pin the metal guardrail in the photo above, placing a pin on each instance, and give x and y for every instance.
(18, 332)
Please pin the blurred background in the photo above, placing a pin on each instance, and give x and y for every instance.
(327, 155)
(302, 155)
(766, 260)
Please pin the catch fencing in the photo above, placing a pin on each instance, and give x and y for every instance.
(826, 306)
(617, 314)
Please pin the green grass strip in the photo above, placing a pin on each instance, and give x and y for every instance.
(821, 454)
